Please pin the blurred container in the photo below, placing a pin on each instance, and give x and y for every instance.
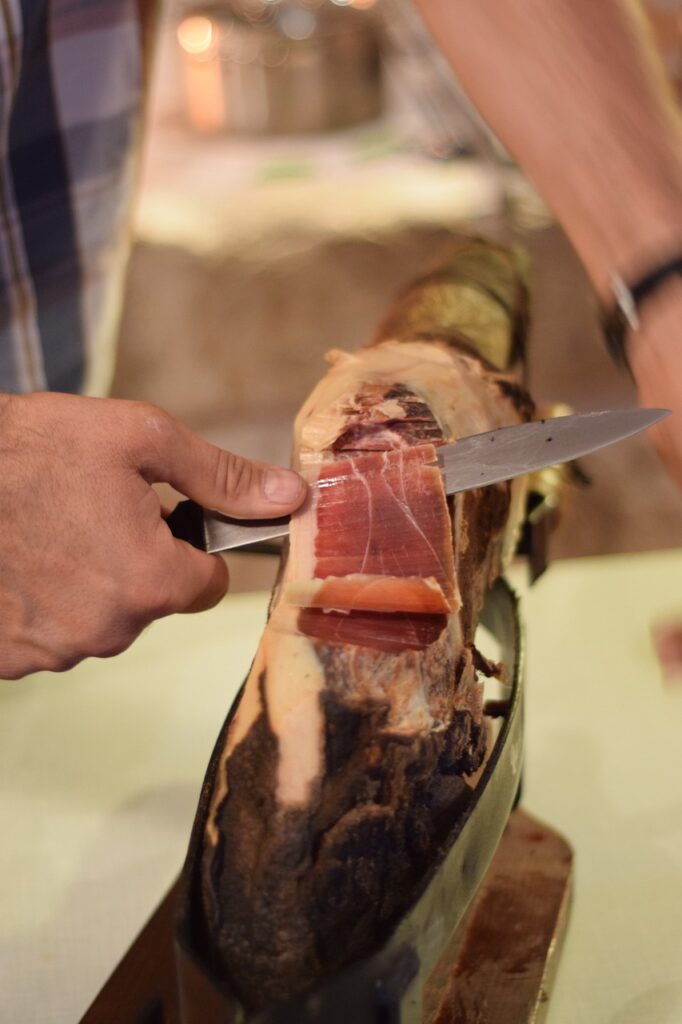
(280, 66)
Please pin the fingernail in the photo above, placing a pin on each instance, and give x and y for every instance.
(282, 486)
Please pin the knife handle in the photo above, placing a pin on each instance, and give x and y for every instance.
(186, 522)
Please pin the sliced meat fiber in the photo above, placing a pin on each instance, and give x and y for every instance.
(382, 514)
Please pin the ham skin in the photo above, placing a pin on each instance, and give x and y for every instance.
(361, 719)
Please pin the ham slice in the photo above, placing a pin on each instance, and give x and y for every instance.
(383, 514)
(375, 538)
(361, 721)
(362, 592)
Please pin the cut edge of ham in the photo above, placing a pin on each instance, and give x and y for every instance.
(371, 593)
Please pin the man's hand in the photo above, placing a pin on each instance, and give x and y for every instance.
(655, 355)
(86, 559)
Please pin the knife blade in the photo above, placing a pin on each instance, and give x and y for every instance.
(469, 462)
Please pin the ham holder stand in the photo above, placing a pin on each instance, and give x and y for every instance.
(480, 941)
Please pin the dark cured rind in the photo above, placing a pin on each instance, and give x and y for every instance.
(483, 515)
(300, 883)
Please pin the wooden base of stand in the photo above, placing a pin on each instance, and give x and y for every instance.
(500, 965)
(498, 968)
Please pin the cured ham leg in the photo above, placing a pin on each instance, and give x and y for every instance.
(361, 719)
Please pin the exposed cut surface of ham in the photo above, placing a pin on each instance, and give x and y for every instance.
(361, 720)
(384, 514)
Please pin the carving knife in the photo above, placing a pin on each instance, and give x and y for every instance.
(467, 463)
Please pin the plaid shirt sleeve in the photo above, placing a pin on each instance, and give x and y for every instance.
(72, 76)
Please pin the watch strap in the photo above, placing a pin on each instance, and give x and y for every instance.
(623, 316)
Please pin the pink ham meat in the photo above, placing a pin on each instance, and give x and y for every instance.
(384, 514)
(382, 544)
(361, 720)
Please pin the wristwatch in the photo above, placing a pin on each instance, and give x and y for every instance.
(623, 316)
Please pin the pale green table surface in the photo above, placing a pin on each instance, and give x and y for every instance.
(100, 771)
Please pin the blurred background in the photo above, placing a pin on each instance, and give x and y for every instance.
(304, 160)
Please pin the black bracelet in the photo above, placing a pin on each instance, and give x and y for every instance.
(624, 315)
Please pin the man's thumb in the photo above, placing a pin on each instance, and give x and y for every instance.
(218, 479)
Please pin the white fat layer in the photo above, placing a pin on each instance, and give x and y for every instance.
(454, 628)
(391, 409)
(293, 677)
(302, 530)
(245, 716)
(293, 682)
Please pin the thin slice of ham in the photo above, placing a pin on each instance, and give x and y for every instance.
(382, 514)
(367, 593)
(376, 531)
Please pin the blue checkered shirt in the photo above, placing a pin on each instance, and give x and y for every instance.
(72, 75)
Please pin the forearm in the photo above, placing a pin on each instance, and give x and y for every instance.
(575, 93)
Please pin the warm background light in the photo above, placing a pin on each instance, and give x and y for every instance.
(195, 34)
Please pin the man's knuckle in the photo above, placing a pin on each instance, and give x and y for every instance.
(163, 602)
(146, 411)
(56, 661)
(149, 426)
(220, 471)
(65, 662)
(112, 644)
(12, 670)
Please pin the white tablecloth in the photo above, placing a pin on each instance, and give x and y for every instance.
(100, 770)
